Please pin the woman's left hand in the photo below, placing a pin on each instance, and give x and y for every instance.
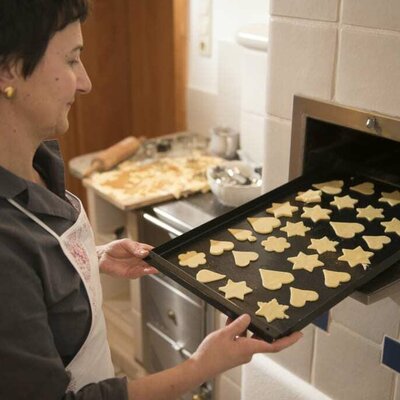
(124, 258)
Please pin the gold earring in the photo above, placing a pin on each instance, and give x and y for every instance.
(9, 92)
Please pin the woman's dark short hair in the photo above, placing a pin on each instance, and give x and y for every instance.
(26, 26)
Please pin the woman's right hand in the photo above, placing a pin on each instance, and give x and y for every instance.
(226, 348)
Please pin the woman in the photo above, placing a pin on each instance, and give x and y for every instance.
(52, 333)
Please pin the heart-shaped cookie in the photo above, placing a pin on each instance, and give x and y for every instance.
(264, 224)
(299, 297)
(192, 259)
(331, 187)
(206, 276)
(366, 188)
(273, 280)
(376, 242)
(243, 258)
(333, 278)
(242, 235)
(217, 247)
(346, 230)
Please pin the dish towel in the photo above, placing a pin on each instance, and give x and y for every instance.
(264, 379)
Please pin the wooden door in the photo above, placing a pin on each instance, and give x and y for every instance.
(135, 54)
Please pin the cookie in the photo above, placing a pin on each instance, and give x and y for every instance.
(316, 213)
(356, 256)
(282, 209)
(366, 188)
(323, 245)
(264, 224)
(192, 259)
(305, 261)
(272, 310)
(299, 297)
(217, 247)
(331, 187)
(333, 278)
(310, 196)
(392, 226)
(295, 229)
(370, 213)
(276, 244)
(207, 276)
(273, 280)
(343, 202)
(235, 290)
(376, 242)
(346, 230)
(392, 198)
(243, 258)
(242, 235)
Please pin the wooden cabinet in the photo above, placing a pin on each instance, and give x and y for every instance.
(135, 55)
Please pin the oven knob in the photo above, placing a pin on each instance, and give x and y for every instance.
(371, 123)
(171, 315)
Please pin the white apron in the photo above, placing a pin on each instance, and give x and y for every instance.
(92, 363)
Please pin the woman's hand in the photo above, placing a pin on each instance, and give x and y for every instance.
(228, 347)
(124, 258)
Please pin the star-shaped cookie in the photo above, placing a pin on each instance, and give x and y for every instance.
(392, 198)
(356, 256)
(272, 310)
(323, 245)
(392, 226)
(295, 229)
(235, 290)
(370, 213)
(310, 196)
(316, 213)
(342, 202)
(305, 261)
(282, 209)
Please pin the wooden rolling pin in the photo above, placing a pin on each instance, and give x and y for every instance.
(113, 155)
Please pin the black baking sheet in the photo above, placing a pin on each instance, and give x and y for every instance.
(165, 257)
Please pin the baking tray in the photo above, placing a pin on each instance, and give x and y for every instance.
(165, 257)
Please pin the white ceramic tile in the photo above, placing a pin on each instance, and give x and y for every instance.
(252, 136)
(298, 358)
(369, 70)
(300, 61)
(347, 366)
(254, 80)
(226, 389)
(201, 111)
(229, 84)
(324, 10)
(276, 153)
(356, 316)
(383, 14)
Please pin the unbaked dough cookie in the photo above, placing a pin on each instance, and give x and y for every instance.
(273, 280)
(331, 187)
(207, 276)
(276, 244)
(316, 213)
(342, 202)
(295, 229)
(333, 278)
(299, 297)
(272, 310)
(305, 261)
(243, 258)
(366, 188)
(392, 226)
(192, 259)
(235, 290)
(323, 245)
(242, 235)
(376, 242)
(392, 198)
(310, 196)
(217, 247)
(282, 209)
(264, 224)
(370, 213)
(347, 230)
(356, 256)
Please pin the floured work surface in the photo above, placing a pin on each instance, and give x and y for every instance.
(314, 245)
(133, 184)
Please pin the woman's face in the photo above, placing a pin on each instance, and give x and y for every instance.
(44, 99)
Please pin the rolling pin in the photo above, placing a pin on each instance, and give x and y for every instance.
(113, 155)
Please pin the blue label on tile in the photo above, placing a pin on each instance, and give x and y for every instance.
(391, 353)
(323, 321)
